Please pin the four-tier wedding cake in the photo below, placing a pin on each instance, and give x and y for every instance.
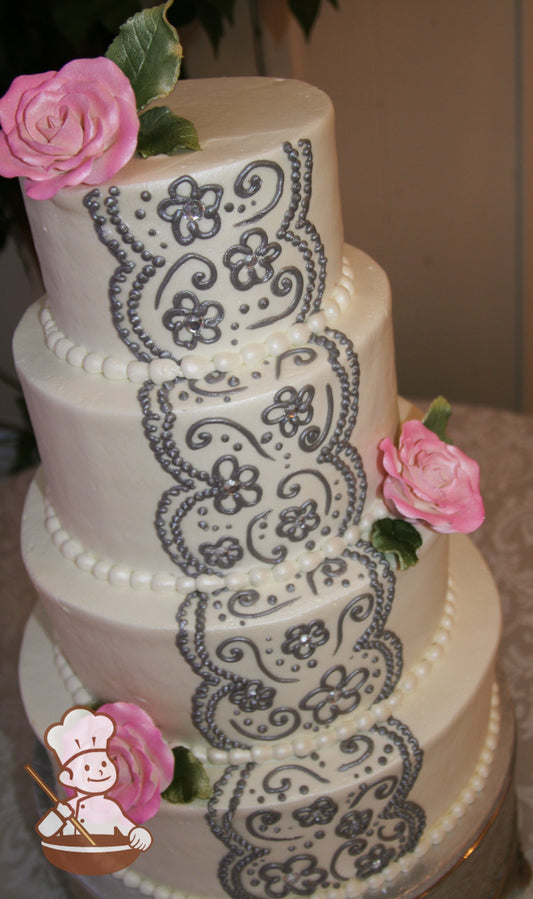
(238, 527)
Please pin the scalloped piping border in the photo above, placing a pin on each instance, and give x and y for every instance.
(301, 746)
(378, 882)
(195, 365)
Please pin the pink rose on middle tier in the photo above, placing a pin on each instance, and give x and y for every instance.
(431, 481)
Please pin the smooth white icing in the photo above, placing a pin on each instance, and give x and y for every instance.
(454, 713)
(118, 575)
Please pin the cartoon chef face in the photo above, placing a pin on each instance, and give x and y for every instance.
(90, 772)
(80, 743)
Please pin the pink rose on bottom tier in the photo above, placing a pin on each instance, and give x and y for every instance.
(145, 763)
(431, 481)
(75, 126)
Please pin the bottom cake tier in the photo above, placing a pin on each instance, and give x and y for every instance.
(389, 808)
(482, 863)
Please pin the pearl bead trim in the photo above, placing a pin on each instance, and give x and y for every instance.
(120, 575)
(195, 365)
(71, 681)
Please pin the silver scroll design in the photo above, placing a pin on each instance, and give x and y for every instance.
(308, 829)
(183, 257)
(268, 486)
(264, 675)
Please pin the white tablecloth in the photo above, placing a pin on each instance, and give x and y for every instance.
(502, 442)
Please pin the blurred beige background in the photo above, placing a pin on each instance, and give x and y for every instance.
(432, 101)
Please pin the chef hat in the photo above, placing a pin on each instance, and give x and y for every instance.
(79, 730)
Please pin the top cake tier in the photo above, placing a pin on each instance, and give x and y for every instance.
(203, 253)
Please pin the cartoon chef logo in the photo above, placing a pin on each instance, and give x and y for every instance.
(113, 766)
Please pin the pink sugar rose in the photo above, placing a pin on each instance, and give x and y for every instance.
(144, 761)
(432, 481)
(75, 126)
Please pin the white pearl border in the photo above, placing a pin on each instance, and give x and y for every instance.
(378, 882)
(121, 575)
(195, 365)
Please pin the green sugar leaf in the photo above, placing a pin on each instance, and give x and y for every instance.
(161, 131)
(437, 417)
(148, 51)
(190, 780)
(393, 535)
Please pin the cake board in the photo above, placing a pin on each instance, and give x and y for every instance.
(479, 859)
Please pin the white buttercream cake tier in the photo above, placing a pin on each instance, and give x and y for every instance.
(196, 219)
(117, 453)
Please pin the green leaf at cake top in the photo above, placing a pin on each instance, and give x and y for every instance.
(148, 51)
(161, 131)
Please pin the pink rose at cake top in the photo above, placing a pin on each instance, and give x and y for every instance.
(429, 480)
(83, 124)
(78, 125)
